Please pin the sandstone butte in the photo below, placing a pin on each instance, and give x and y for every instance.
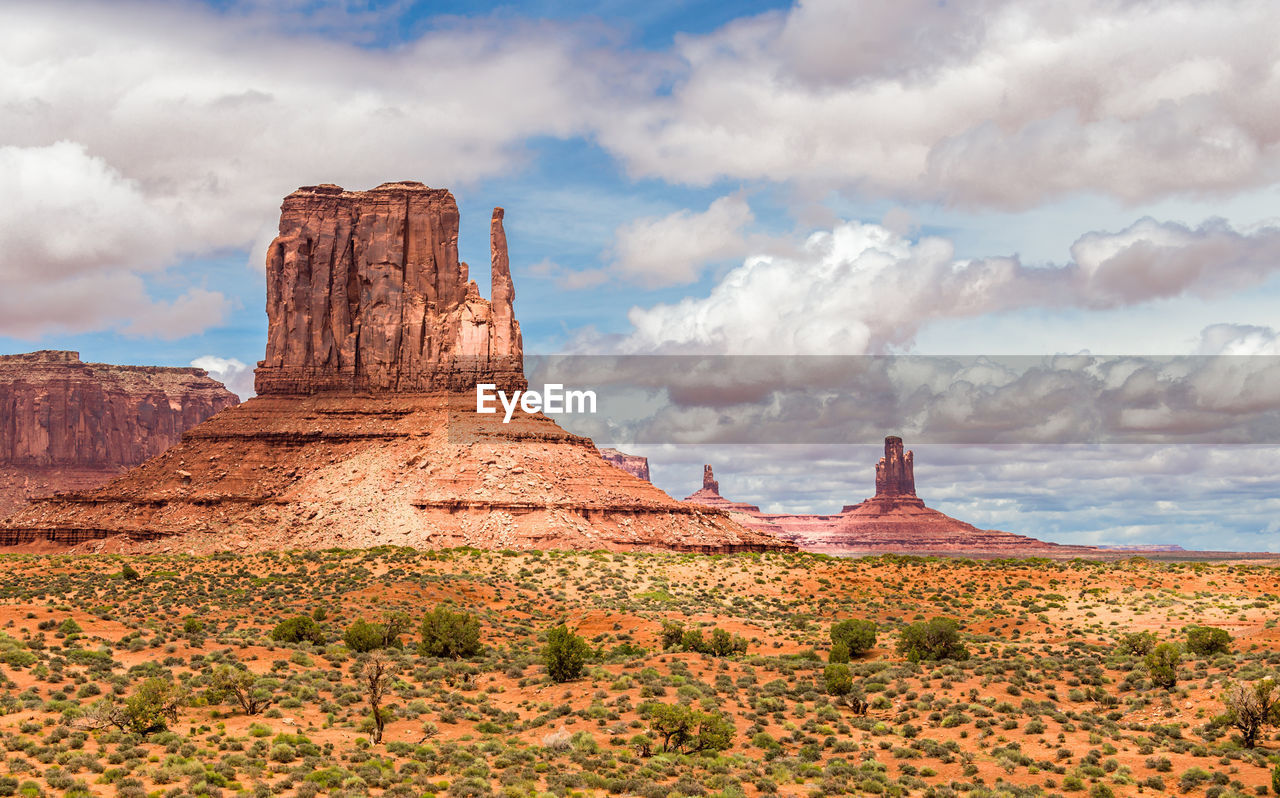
(364, 431)
(69, 425)
(633, 464)
(894, 520)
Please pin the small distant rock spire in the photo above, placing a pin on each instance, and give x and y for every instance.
(709, 480)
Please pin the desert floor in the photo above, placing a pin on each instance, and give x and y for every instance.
(1049, 701)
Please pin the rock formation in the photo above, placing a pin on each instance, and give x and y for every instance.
(633, 464)
(365, 293)
(364, 432)
(69, 425)
(893, 520)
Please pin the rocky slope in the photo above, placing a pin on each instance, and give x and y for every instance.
(365, 431)
(67, 425)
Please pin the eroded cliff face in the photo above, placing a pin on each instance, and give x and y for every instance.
(65, 424)
(365, 293)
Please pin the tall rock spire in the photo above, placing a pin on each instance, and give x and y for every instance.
(895, 473)
(506, 330)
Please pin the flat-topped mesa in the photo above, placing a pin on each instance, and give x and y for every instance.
(895, 473)
(366, 294)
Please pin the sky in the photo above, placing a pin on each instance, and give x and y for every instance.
(896, 178)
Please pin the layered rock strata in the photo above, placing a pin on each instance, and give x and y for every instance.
(364, 432)
(66, 424)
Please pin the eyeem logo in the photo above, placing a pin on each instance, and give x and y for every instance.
(553, 398)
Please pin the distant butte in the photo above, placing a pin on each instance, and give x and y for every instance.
(364, 432)
(895, 520)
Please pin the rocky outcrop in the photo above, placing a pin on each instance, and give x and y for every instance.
(365, 293)
(364, 432)
(893, 520)
(633, 464)
(65, 424)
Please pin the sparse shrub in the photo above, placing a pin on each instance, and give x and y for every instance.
(687, 730)
(858, 635)
(565, 654)
(1205, 641)
(838, 679)
(446, 633)
(242, 687)
(298, 630)
(1138, 643)
(935, 639)
(1162, 664)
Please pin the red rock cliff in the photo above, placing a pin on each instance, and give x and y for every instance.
(68, 425)
(56, 410)
(365, 293)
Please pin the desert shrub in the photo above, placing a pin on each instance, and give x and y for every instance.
(1208, 640)
(684, 729)
(565, 654)
(242, 687)
(363, 636)
(857, 634)
(1162, 664)
(298, 630)
(934, 639)
(1138, 643)
(672, 634)
(446, 633)
(130, 573)
(150, 709)
(838, 679)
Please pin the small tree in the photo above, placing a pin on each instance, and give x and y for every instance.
(839, 654)
(446, 633)
(565, 654)
(838, 679)
(857, 634)
(298, 630)
(240, 686)
(1138, 643)
(151, 708)
(672, 634)
(1250, 707)
(934, 639)
(376, 673)
(1205, 641)
(1162, 664)
(363, 636)
(686, 730)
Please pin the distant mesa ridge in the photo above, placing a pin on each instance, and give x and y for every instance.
(895, 519)
(70, 425)
(364, 430)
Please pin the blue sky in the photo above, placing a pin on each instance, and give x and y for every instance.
(816, 178)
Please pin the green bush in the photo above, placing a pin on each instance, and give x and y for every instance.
(934, 639)
(1207, 640)
(565, 654)
(363, 636)
(838, 679)
(1162, 664)
(298, 630)
(857, 634)
(684, 729)
(1138, 643)
(152, 707)
(446, 633)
